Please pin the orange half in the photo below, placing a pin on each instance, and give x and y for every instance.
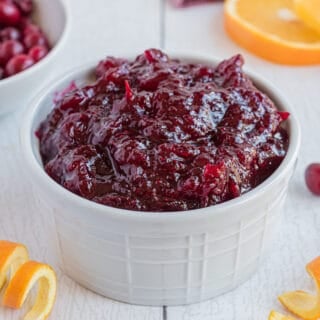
(271, 29)
(24, 279)
(303, 304)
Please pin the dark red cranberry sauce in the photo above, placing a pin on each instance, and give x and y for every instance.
(158, 134)
(22, 42)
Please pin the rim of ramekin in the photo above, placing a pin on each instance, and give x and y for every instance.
(37, 170)
(51, 54)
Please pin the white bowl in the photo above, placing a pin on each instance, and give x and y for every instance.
(168, 258)
(16, 91)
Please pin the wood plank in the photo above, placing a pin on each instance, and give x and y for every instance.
(98, 28)
(200, 29)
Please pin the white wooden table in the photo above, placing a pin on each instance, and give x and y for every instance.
(101, 27)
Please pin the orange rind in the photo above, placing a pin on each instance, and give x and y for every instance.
(271, 30)
(274, 315)
(25, 278)
(305, 305)
(12, 256)
(23, 275)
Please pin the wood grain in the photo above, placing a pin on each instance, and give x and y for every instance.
(101, 27)
(98, 28)
(298, 239)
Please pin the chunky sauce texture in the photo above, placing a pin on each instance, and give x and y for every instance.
(158, 134)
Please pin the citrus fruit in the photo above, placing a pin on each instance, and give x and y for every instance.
(303, 304)
(22, 282)
(271, 29)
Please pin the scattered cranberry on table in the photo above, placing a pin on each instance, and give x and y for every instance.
(22, 42)
(312, 177)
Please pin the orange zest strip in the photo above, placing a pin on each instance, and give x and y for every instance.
(12, 256)
(303, 304)
(274, 315)
(25, 278)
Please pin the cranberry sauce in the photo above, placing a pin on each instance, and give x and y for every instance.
(158, 134)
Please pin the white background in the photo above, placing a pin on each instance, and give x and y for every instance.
(101, 27)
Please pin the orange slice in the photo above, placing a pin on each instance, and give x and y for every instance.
(12, 256)
(303, 304)
(271, 30)
(309, 12)
(274, 315)
(23, 281)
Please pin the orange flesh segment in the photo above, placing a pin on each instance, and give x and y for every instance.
(303, 304)
(25, 278)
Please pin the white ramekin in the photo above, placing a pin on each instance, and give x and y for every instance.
(16, 91)
(159, 259)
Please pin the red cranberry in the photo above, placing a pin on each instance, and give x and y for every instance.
(32, 39)
(312, 177)
(10, 33)
(1, 73)
(29, 27)
(9, 13)
(38, 52)
(25, 6)
(8, 49)
(18, 63)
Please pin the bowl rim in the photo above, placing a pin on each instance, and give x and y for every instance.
(52, 52)
(37, 170)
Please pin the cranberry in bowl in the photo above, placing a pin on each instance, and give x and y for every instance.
(217, 148)
(31, 34)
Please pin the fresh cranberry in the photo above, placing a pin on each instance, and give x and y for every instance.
(185, 3)
(1, 73)
(9, 13)
(284, 115)
(32, 39)
(25, 6)
(19, 36)
(18, 63)
(29, 27)
(9, 49)
(312, 178)
(10, 33)
(38, 52)
(108, 64)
